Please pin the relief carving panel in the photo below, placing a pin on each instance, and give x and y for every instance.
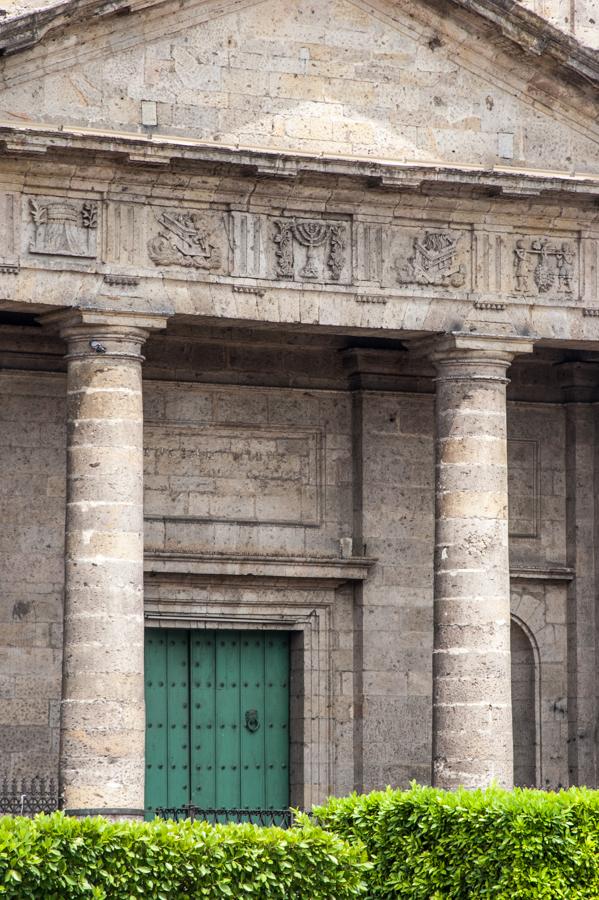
(542, 266)
(187, 238)
(311, 250)
(435, 260)
(63, 227)
(255, 476)
(430, 257)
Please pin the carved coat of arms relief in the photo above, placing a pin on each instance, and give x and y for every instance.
(185, 238)
(64, 227)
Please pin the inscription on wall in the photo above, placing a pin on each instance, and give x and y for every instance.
(258, 475)
(523, 488)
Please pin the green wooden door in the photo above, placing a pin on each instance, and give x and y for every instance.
(217, 719)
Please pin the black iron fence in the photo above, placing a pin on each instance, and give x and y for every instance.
(282, 817)
(28, 796)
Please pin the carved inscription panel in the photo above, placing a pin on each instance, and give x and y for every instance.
(258, 475)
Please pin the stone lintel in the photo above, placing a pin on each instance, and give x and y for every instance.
(541, 573)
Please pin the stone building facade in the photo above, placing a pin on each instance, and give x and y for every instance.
(293, 298)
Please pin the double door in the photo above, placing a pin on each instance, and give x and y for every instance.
(217, 719)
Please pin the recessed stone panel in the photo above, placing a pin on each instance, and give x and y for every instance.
(523, 488)
(233, 474)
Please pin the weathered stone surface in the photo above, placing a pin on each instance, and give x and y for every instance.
(303, 193)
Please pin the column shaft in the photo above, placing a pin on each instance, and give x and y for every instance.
(472, 717)
(103, 722)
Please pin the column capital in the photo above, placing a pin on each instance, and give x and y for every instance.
(473, 356)
(456, 345)
(111, 334)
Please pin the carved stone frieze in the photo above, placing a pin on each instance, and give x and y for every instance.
(64, 227)
(434, 261)
(185, 238)
(309, 249)
(542, 266)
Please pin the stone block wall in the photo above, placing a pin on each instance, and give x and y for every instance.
(396, 511)
(395, 81)
(32, 511)
(235, 471)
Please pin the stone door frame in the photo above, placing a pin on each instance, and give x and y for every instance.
(311, 688)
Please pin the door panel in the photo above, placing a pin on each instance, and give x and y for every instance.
(203, 717)
(217, 715)
(276, 744)
(253, 786)
(228, 782)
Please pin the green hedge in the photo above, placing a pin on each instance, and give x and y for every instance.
(54, 857)
(428, 844)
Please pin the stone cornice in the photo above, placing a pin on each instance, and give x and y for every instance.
(537, 37)
(338, 570)
(161, 151)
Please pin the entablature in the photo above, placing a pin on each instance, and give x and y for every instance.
(366, 250)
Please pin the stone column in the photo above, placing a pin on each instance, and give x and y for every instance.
(102, 714)
(472, 715)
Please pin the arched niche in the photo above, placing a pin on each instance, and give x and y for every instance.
(524, 706)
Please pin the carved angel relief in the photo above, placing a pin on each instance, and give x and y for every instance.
(434, 261)
(64, 228)
(324, 244)
(550, 266)
(184, 239)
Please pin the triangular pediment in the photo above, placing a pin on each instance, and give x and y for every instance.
(372, 79)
